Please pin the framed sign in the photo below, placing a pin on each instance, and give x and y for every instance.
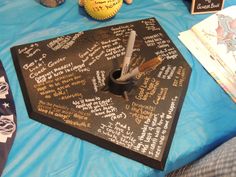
(206, 6)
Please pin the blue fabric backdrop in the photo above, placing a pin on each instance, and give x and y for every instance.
(207, 119)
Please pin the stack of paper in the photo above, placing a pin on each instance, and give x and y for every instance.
(213, 43)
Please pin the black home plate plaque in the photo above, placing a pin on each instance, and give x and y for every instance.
(65, 85)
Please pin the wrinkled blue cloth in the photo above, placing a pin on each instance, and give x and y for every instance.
(207, 119)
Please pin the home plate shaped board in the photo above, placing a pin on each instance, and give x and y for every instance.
(64, 84)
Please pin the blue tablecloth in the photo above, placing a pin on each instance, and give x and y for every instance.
(207, 119)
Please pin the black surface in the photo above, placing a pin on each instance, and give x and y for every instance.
(63, 81)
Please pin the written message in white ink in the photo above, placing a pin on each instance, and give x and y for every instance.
(60, 87)
(152, 136)
(150, 25)
(113, 48)
(98, 81)
(140, 112)
(179, 77)
(64, 42)
(160, 96)
(122, 30)
(46, 74)
(64, 113)
(164, 47)
(118, 133)
(91, 54)
(147, 89)
(166, 72)
(99, 107)
(30, 51)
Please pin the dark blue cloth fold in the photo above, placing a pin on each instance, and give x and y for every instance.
(7, 118)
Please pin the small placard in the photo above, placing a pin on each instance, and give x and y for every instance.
(206, 6)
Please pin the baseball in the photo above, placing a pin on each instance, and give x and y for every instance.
(102, 9)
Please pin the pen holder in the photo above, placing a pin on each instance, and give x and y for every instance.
(118, 87)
